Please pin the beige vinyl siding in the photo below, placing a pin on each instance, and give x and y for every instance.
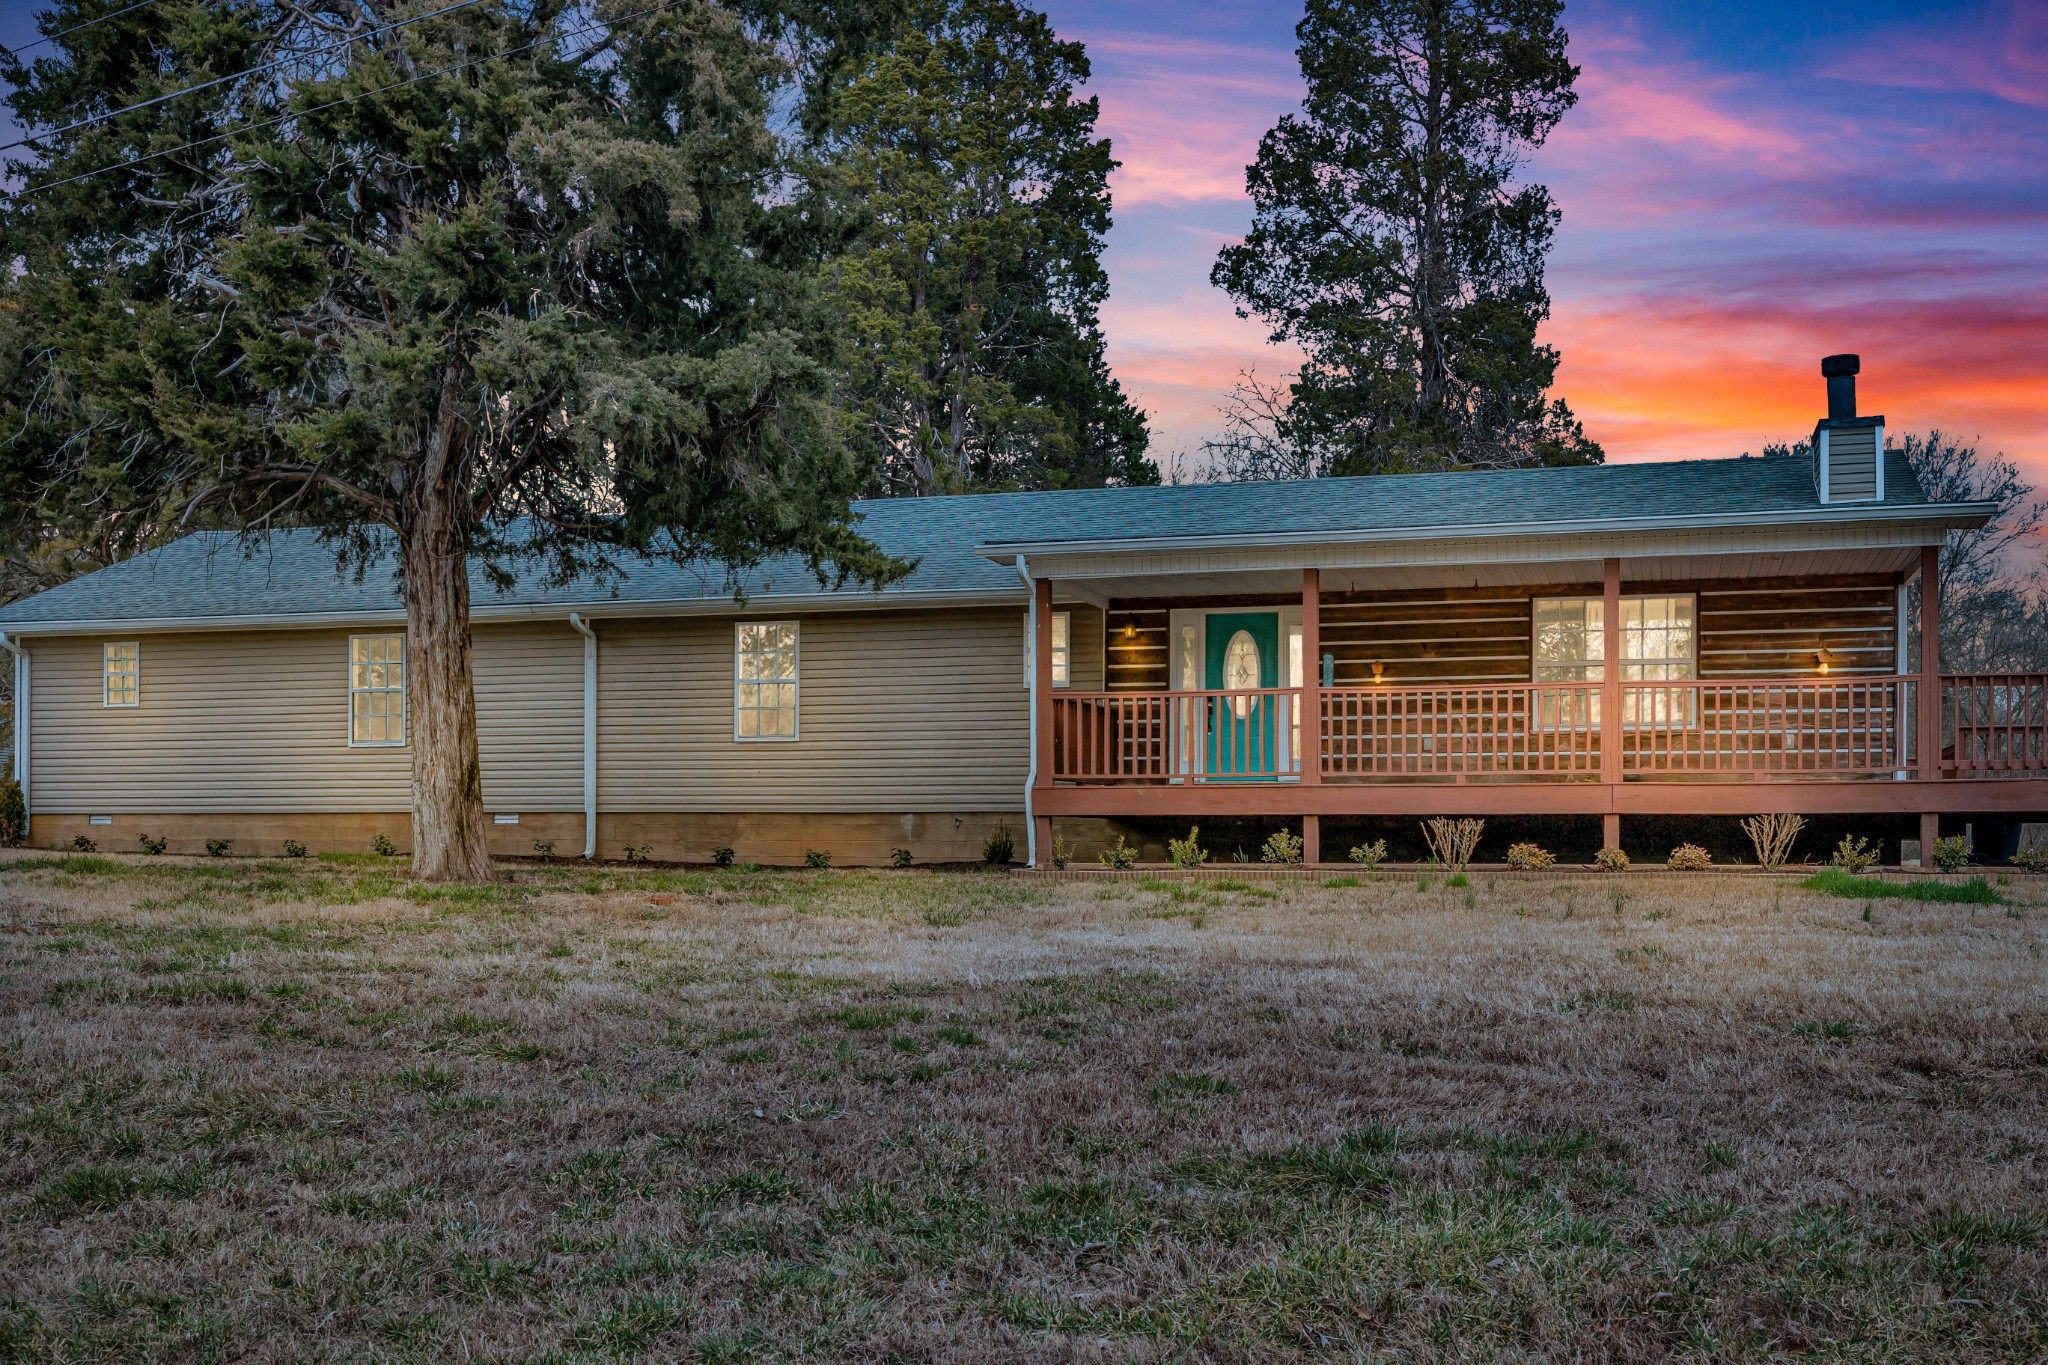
(258, 721)
(1852, 464)
(920, 710)
(1084, 647)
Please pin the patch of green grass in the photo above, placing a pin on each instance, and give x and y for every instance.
(1830, 1030)
(958, 1035)
(1836, 882)
(869, 1018)
(1183, 1089)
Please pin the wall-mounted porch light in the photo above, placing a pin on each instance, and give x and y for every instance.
(1824, 660)
(1130, 630)
(1379, 673)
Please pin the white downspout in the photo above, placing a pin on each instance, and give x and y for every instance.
(589, 733)
(1031, 672)
(21, 728)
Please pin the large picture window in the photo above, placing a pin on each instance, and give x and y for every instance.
(376, 689)
(764, 699)
(1659, 643)
(123, 675)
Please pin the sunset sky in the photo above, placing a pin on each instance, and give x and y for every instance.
(1745, 187)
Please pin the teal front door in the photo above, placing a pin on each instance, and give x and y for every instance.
(1242, 653)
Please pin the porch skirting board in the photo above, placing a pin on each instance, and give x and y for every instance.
(774, 838)
(1805, 797)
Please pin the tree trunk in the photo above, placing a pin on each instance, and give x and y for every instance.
(449, 840)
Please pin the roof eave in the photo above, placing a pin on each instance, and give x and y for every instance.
(1958, 515)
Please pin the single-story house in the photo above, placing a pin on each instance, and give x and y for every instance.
(1060, 661)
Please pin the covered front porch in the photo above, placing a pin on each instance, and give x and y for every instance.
(1671, 684)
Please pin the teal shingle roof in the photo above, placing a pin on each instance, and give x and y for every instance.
(293, 572)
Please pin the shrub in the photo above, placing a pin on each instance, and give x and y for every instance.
(999, 846)
(1772, 836)
(543, 849)
(899, 857)
(1529, 857)
(2033, 859)
(83, 843)
(294, 849)
(1283, 847)
(1689, 858)
(817, 857)
(153, 847)
(637, 853)
(721, 856)
(1854, 855)
(1119, 855)
(1370, 855)
(13, 814)
(1062, 854)
(218, 848)
(1611, 860)
(382, 846)
(1452, 842)
(1951, 854)
(1187, 852)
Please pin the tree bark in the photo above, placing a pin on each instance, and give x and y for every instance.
(449, 839)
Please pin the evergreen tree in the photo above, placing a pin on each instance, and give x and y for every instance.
(1392, 244)
(974, 356)
(497, 278)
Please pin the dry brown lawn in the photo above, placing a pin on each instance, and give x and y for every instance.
(269, 1111)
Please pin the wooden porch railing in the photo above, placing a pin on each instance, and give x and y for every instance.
(1848, 725)
(1491, 730)
(1994, 724)
(1176, 736)
(1997, 722)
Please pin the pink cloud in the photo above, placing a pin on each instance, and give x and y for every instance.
(2005, 56)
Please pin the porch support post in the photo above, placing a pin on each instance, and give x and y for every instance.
(1311, 838)
(1610, 674)
(1041, 707)
(1311, 682)
(1610, 830)
(1929, 722)
(1930, 830)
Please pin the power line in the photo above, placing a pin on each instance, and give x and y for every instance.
(349, 99)
(77, 28)
(97, 119)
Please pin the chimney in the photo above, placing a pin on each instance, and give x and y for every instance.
(1840, 372)
(1848, 451)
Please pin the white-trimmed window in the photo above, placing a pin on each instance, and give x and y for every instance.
(123, 674)
(1659, 643)
(1062, 640)
(764, 693)
(376, 689)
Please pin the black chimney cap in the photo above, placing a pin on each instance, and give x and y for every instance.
(1834, 366)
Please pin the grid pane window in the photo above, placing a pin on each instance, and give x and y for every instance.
(123, 674)
(1658, 644)
(376, 689)
(765, 680)
(1062, 632)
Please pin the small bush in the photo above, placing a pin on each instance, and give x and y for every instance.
(1062, 852)
(543, 849)
(381, 845)
(13, 814)
(1187, 852)
(638, 853)
(1283, 847)
(1611, 860)
(1370, 855)
(817, 857)
(153, 847)
(1119, 855)
(218, 848)
(1772, 836)
(899, 857)
(999, 846)
(721, 856)
(83, 843)
(1951, 854)
(2032, 859)
(294, 849)
(1689, 858)
(1529, 857)
(1854, 855)
(1452, 842)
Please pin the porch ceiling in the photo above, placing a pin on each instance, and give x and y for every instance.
(1663, 568)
